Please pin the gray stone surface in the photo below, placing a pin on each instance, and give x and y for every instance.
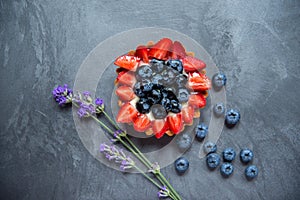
(256, 43)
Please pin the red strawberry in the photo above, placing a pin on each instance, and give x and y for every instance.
(141, 123)
(192, 64)
(127, 113)
(178, 51)
(159, 127)
(125, 93)
(126, 78)
(175, 122)
(197, 100)
(187, 114)
(127, 62)
(142, 53)
(198, 81)
(161, 49)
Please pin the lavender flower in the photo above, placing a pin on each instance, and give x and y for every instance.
(62, 94)
(164, 192)
(112, 153)
(155, 168)
(99, 105)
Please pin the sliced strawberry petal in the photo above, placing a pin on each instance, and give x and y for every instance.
(159, 127)
(161, 49)
(198, 81)
(192, 64)
(175, 122)
(125, 93)
(127, 62)
(127, 113)
(141, 123)
(126, 78)
(178, 51)
(142, 53)
(187, 114)
(197, 100)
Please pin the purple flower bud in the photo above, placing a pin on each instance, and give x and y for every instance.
(61, 94)
(99, 101)
(81, 112)
(102, 147)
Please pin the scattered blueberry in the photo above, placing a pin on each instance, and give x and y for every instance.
(144, 71)
(219, 109)
(201, 131)
(213, 160)
(246, 155)
(232, 117)
(184, 141)
(210, 147)
(219, 80)
(181, 165)
(251, 172)
(226, 169)
(175, 64)
(229, 154)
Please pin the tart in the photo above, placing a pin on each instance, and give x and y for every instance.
(160, 87)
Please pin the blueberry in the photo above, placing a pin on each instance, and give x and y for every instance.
(181, 80)
(251, 172)
(184, 141)
(155, 96)
(181, 165)
(175, 106)
(169, 77)
(219, 80)
(169, 93)
(158, 65)
(229, 154)
(232, 117)
(175, 64)
(201, 131)
(226, 169)
(143, 71)
(219, 109)
(157, 79)
(183, 95)
(210, 147)
(246, 155)
(143, 105)
(158, 111)
(166, 103)
(147, 86)
(213, 160)
(138, 90)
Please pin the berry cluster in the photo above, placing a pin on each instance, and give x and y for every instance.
(161, 87)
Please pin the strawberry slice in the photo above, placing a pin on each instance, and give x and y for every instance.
(125, 93)
(126, 78)
(127, 113)
(159, 127)
(187, 114)
(127, 62)
(198, 81)
(142, 53)
(141, 123)
(161, 49)
(175, 122)
(192, 64)
(178, 51)
(197, 100)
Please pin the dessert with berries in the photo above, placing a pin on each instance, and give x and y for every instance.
(160, 87)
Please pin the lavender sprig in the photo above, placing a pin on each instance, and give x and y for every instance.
(113, 153)
(64, 95)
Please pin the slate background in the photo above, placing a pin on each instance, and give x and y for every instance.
(256, 43)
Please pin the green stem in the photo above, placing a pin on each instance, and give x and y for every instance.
(143, 159)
